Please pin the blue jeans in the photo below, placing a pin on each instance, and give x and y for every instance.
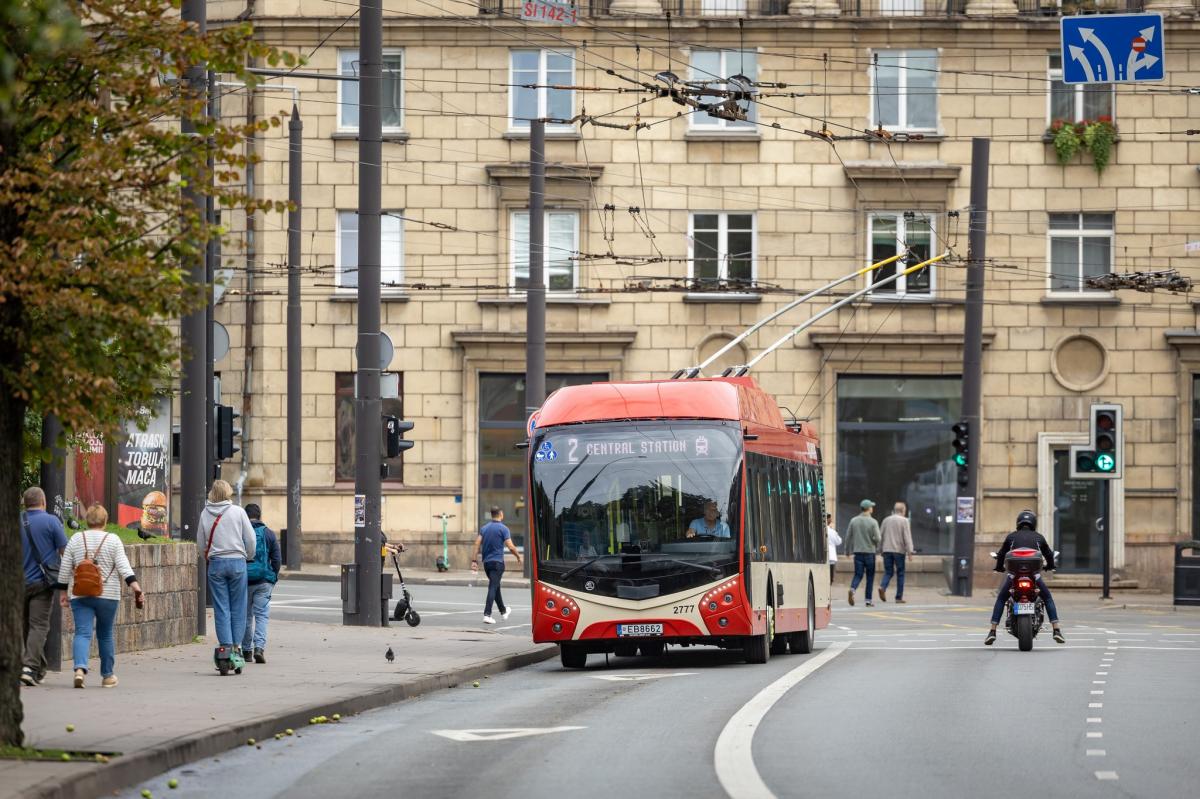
(258, 611)
(893, 561)
(227, 585)
(93, 613)
(864, 562)
(1002, 599)
(494, 571)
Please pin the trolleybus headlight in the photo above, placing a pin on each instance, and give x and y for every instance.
(712, 605)
(566, 611)
(728, 600)
(723, 622)
(557, 627)
(549, 604)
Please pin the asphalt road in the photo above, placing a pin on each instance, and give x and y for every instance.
(894, 703)
(438, 605)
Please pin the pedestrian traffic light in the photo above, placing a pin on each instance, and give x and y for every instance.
(962, 450)
(393, 436)
(1102, 457)
(226, 432)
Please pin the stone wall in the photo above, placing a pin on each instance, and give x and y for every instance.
(167, 573)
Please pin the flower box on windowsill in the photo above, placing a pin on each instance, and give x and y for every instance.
(1096, 136)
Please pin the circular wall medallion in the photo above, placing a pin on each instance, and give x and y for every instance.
(1079, 362)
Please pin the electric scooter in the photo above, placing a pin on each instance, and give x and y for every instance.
(403, 609)
(228, 658)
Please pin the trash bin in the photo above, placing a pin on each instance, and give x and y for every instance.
(1187, 573)
(385, 593)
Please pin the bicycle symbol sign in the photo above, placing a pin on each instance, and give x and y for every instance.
(1112, 48)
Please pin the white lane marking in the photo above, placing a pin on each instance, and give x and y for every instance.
(1095, 704)
(1102, 674)
(1106, 775)
(1099, 682)
(1095, 735)
(734, 755)
(515, 626)
(1093, 720)
(1097, 693)
(639, 677)
(1111, 632)
(1096, 753)
(500, 733)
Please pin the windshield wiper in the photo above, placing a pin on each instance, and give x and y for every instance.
(587, 563)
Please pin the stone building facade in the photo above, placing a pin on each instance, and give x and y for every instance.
(671, 230)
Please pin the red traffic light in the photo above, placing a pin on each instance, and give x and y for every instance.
(1106, 420)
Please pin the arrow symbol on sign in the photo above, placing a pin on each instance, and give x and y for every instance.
(1077, 54)
(1148, 33)
(1135, 63)
(500, 733)
(1089, 35)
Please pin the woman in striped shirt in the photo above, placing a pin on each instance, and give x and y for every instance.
(97, 613)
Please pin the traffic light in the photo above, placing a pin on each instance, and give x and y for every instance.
(227, 432)
(962, 450)
(1102, 457)
(393, 436)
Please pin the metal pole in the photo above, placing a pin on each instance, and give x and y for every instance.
(1106, 532)
(212, 467)
(53, 480)
(972, 377)
(368, 419)
(294, 385)
(535, 292)
(193, 413)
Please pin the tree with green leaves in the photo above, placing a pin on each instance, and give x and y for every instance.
(92, 228)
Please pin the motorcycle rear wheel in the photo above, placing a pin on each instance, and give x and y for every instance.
(1025, 633)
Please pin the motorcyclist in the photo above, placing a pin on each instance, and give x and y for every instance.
(1025, 536)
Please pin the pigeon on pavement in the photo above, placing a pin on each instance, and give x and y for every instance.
(390, 655)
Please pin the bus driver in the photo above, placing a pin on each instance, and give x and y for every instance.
(710, 524)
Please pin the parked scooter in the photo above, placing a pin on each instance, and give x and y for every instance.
(1025, 610)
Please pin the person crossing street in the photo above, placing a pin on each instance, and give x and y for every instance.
(862, 539)
(491, 541)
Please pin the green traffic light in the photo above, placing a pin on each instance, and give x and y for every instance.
(1105, 462)
(961, 459)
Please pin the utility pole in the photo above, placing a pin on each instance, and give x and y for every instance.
(294, 387)
(972, 377)
(53, 481)
(210, 309)
(535, 291)
(193, 415)
(368, 418)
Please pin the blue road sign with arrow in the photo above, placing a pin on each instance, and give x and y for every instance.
(1112, 48)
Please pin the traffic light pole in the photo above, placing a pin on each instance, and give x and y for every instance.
(972, 378)
(1106, 532)
(295, 411)
(535, 291)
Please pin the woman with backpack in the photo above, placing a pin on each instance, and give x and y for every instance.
(93, 566)
(226, 538)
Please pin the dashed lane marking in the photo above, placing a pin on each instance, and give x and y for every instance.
(1093, 720)
(1095, 705)
(1096, 753)
(1097, 693)
(1095, 735)
(1106, 775)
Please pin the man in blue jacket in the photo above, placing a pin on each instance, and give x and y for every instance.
(261, 575)
(42, 543)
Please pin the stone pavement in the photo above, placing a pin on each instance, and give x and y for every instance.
(172, 707)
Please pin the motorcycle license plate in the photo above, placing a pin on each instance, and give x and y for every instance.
(1023, 608)
(626, 630)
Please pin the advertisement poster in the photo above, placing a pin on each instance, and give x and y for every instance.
(143, 468)
(89, 472)
(966, 510)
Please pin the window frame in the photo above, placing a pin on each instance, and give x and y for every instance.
(385, 290)
(388, 52)
(902, 97)
(703, 122)
(1079, 234)
(1055, 76)
(900, 292)
(543, 95)
(512, 252)
(723, 248)
(396, 472)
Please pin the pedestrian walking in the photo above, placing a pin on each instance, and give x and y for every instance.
(93, 567)
(261, 576)
(862, 539)
(896, 544)
(226, 538)
(832, 542)
(490, 542)
(42, 543)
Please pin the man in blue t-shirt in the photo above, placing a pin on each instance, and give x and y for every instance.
(42, 543)
(491, 541)
(710, 524)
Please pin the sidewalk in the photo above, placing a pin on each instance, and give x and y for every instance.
(332, 572)
(172, 707)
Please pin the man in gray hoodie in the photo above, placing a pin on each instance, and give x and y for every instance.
(226, 538)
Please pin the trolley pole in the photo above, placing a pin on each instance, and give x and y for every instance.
(964, 532)
(535, 292)
(368, 420)
(294, 375)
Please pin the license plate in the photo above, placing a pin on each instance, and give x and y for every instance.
(626, 630)
(1023, 608)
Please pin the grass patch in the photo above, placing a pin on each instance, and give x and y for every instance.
(57, 755)
(131, 538)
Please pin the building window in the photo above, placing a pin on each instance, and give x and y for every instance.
(560, 248)
(392, 91)
(1081, 246)
(894, 444)
(502, 467)
(391, 250)
(722, 248)
(344, 444)
(542, 68)
(905, 90)
(1077, 102)
(716, 67)
(722, 8)
(889, 234)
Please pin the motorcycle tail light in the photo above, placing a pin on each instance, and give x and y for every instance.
(1024, 584)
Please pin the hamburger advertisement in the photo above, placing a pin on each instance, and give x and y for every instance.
(143, 468)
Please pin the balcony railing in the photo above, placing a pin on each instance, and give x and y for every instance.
(699, 9)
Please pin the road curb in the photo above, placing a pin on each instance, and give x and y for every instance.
(131, 769)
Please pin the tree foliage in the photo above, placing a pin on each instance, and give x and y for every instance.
(92, 228)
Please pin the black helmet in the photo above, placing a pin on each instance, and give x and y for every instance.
(1027, 518)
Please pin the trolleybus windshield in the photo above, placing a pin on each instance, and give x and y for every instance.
(637, 509)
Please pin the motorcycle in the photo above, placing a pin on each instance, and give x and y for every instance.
(1025, 610)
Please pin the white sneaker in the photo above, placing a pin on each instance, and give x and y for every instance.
(506, 614)
(488, 620)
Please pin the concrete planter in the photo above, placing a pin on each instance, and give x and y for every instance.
(167, 573)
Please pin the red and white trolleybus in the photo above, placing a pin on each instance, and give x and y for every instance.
(675, 512)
